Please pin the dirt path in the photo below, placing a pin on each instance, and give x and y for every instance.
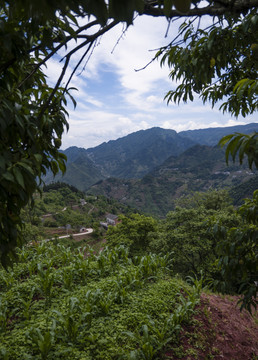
(236, 332)
(219, 332)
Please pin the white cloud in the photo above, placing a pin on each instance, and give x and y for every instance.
(97, 127)
(179, 125)
(114, 100)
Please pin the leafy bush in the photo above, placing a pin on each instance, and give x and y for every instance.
(237, 248)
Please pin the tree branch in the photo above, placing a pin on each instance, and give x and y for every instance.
(219, 8)
(89, 41)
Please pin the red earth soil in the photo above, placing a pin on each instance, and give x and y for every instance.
(220, 331)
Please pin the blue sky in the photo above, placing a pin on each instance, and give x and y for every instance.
(114, 100)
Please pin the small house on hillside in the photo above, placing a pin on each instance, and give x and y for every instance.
(112, 219)
(104, 225)
(83, 202)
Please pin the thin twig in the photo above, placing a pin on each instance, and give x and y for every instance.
(120, 37)
(90, 40)
(77, 65)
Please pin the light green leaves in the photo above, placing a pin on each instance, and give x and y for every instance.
(88, 320)
(42, 340)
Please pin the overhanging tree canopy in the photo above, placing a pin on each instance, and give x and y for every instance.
(33, 115)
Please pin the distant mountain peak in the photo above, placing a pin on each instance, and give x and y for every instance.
(138, 154)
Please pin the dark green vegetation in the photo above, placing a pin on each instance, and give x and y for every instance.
(136, 154)
(244, 190)
(204, 234)
(62, 299)
(238, 249)
(33, 114)
(206, 68)
(57, 304)
(129, 157)
(63, 209)
(186, 233)
(199, 168)
(81, 172)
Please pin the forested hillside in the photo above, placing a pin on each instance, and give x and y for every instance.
(198, 169)
(150, 169)
(81, 172)
(211, 136)
(135, 155)
(63, 210)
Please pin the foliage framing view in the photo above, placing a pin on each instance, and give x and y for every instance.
(33, 115)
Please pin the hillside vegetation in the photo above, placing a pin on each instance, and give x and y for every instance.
(212, 136)
(125, 298)
(59, 304)
(135, 155)
(62, 209)
(56, 304)
(200, 168)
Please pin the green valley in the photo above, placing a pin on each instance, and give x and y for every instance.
(200, 168)
(144, 247)
(150, 169)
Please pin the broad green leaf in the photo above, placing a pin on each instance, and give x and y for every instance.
(19, 177)
(8, 176)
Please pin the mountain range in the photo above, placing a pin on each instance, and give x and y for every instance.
(148, 169)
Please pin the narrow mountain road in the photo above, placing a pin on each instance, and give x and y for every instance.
(88, 231)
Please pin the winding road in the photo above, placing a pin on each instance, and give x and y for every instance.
(88, 231)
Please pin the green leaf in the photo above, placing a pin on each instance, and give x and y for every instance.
(2, 162)
(8, 176)
(26, 166)
(225, 139)
(19, 177)
(38, 158)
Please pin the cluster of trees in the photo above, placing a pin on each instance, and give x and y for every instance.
(203, 235)
(55, 203)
